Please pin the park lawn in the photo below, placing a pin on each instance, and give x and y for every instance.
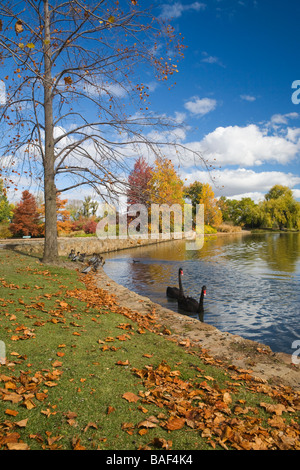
(82, 372)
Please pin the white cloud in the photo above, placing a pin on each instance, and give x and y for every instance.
(200, 106)
(248, 146)
(243, 182)
(283, 118)
(209, 59)
(177, 9)
(247, 97)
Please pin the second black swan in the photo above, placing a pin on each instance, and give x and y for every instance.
(188, 304)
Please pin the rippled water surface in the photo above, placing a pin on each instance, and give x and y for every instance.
(252, 282)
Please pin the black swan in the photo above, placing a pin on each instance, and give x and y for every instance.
(188, 304)
(174, 292)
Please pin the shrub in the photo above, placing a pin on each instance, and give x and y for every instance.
(90, 226)
(4, 230)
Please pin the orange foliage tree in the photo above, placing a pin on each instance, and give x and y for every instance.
(25, 221)
(64, 223)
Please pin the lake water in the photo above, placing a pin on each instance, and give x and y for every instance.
(253, 282)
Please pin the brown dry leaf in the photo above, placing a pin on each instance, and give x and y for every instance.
(161, 443)
(175, 423)
(17, 446)
(57, 364)
(128, 427)
(13, 397)
(11, 412)
(19, 27)
(40, 396)
(28, 403)
(227, 398)
(72, 422)
(71, 415)
(277, 409)
(68, 81)
(150, 422)
(22, 423)
(123, 337)
(141, 408)
(109, 338)
(90, 425)
(110, 409)
(131, 397)
(122, 363)
(277, 422)
(50, 384)
(10, 385)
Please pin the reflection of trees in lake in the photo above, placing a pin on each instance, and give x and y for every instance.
(281, 251)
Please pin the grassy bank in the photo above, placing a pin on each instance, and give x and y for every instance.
(82, 372)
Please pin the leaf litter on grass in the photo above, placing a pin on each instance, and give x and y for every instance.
(199, 405)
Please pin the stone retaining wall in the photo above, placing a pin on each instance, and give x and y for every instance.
(88, 245)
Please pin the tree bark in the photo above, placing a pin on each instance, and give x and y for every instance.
(50, 245)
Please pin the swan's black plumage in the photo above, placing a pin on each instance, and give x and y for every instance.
(175, 292)
(188, 304)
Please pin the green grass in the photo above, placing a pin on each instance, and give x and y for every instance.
(87, 379)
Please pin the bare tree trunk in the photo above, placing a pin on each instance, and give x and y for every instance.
(51, 245)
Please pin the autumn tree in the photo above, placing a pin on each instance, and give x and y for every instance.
(63, 218)
(76, 102)
(165, 185)
(202, 193)
(138, 191)
(166, 193)
(25, 221)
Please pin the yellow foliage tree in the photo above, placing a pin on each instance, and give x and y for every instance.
(165, 185)
(202, 193)
(166, 188)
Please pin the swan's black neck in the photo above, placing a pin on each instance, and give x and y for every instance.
(180, 284)
(200, 307)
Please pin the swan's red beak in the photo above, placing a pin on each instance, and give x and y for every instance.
(204, 292)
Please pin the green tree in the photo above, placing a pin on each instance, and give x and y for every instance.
(6, 209)
(89, 208)
(280, 209)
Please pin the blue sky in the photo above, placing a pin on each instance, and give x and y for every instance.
(234, 92)
(234, 88)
